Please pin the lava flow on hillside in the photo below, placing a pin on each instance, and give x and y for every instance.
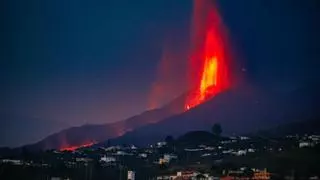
(208, 70)
(73, 148)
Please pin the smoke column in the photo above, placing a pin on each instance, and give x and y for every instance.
(170, 80)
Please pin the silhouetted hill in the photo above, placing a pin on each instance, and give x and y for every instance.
(300, 127)
(196, 138)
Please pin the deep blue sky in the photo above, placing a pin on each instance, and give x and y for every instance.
(89, 61)
(78, 61)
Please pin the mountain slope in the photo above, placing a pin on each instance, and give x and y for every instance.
(77, 136)
(239, 110)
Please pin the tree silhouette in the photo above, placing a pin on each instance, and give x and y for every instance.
(216, 129)
(169, 139)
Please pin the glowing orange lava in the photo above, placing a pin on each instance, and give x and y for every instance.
(73, 148)
(209, 70)
(209, 76)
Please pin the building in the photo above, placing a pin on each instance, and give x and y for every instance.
(314, 137)
(161, 144)
(83, 160)
(12, 161)
(162, 161)
(187, 175)
(234, 177)
(56, 178)
(59, 178)
(133, 147)
(240, 152)
(261, 175)
(244, 138)
(169, 157)
(303, 144)
(131, 175)
(143, 155)
(251, 150)
(108, 159)
(229, 151)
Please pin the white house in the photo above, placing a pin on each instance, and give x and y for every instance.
(305, 144)
(143, 155)
(169, 157)
(131, 175)
(240, 152)
(108, 159)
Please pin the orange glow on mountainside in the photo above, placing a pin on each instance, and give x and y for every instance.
(209, 67)
(73, 148)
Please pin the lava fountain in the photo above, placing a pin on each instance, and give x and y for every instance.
(208, 68)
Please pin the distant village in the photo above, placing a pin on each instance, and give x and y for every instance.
(227, 158)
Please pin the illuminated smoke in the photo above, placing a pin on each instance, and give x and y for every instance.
(170, 79)
(162, 86)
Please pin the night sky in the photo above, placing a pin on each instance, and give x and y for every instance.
(70, 62)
